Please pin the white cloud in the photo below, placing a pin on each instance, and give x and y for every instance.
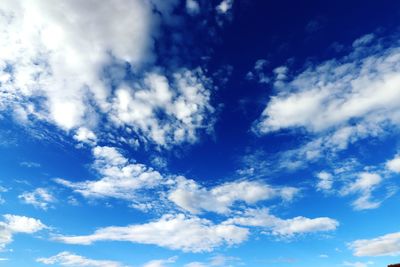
(259, 72)
(192, 7)
(357, 264)
(56, 65)
(394, 164)
(70, 259)
(225, 6)
(386, 245)
(44, 45)
(40, 198)
(85, 135)
(160, 263)
(364, 185)
(339, 101)
(218, 260)
(177, 232)
(192, 197)
(15, 224)
(325, 181)
(120, 178)
(284, 227)
(183, 102)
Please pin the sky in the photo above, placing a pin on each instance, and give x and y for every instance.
(195, 133)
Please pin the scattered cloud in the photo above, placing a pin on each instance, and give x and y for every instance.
(42, 44)
(160, 263)
(178, 232)
(225, 6)
(284, 227)
(394, 164)
(29, 164)
(337, 101)
(119, 178)
(40, 198)
(364, 185)
(70, 259)
(325, 181)
(386, 245)
(357, 264)
(15, 224)
(192, 7)
(192, 197)
(259, 72)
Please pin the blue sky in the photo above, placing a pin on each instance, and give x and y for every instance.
(150, 133)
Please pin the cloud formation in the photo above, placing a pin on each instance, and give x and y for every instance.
(40, 198)
(285, 228)
(119, 178)
(178, 232)
(386, 245)
(70, 259)
(194, 198)
(67, 63)
(15, 224)
(339, 101)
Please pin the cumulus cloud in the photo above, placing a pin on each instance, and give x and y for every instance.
(364, 185)
(178, 232)
(57, 64)
(15, 224)
(325, 181)
(40, 198)
(44, 54)
(192, 197)
(339, 101)
(70, 259)
(119, 178)
(284, 227)
(386, 245)
(394, 164)
(164, 111)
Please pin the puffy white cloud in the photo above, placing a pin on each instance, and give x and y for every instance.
(284, 227)
(15, 224)
(85, 135)
(325, 181)
(394, 164)
(386, 245)
(225, 6)
(70, 259)
(339, 101)
(57, 51)
(120, 178)
(40, 198)
(57, 64)
(177, 232)
(160, 263)
(192, 197)
(166, 112)
(364, 185)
